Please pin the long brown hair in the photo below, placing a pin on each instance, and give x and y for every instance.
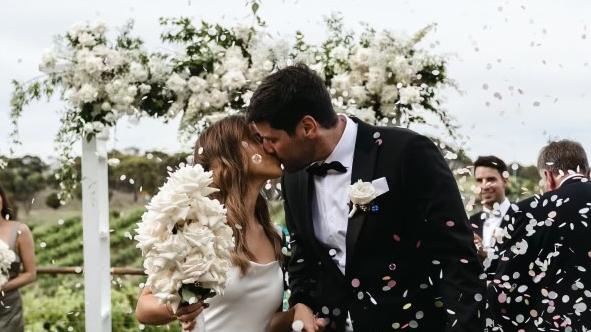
(6, 212)
(220, 146)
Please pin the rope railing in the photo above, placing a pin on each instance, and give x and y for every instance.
(78, 270)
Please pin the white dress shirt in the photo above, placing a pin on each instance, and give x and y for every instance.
(330, 203)
(495, 217)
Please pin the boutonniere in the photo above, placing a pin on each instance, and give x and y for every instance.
(362, 193)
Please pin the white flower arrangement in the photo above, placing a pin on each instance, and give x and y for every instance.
(382, 72)
(100, 80)
(381, 77)
(7, 257)
(184, 238)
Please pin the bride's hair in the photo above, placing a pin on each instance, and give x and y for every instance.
(220, 147)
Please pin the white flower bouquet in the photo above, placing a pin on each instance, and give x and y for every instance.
(7, 257)
(185, 240)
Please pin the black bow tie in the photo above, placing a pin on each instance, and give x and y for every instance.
(322, 169)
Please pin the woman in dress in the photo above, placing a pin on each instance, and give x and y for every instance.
(252, 300)
(20, 240)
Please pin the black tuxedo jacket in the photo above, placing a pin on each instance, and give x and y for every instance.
(412, 251)
(544, 272)
(476, 222)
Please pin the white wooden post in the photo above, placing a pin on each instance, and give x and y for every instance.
(95, 217)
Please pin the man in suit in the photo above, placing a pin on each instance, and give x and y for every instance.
(490, 173)
(404, 259)
(544, 272)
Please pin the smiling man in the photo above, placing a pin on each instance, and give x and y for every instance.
(490, 173)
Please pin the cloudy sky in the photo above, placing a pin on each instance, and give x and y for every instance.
(523, 66)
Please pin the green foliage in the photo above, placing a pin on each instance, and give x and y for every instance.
(59, 306)
(63, 243)
(53, 201)
(22, 178)
(55, 303)
(139, 172)
(523, 182)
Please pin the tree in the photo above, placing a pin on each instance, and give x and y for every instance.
(24, 177)
(135, 172)
(53, 201)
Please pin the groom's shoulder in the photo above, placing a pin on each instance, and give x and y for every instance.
(398, 132)
(397, 135)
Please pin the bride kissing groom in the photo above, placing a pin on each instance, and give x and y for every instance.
(378, 238)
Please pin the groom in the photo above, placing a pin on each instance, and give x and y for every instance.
(404, 259)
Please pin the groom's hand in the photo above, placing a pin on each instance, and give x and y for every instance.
(479, 247)
(188, 326)
(186, 314)
(304, 314)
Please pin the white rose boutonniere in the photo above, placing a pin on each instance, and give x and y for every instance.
(362, 193)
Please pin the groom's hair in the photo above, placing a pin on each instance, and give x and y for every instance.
(285, 97)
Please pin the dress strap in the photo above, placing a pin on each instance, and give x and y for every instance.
(13, 235)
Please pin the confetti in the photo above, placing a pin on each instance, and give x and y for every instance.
(297, 326)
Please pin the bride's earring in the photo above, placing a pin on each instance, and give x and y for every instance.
(257, 158)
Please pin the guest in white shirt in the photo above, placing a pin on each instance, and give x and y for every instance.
(490, 173)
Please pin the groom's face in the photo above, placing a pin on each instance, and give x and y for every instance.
(294, 151)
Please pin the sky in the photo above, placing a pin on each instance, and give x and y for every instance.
(522, 67)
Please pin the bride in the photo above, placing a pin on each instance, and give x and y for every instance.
(252, 301)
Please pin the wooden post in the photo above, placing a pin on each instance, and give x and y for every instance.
(95, 217)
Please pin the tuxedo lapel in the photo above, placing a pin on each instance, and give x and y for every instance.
(364, 160)
(306, 183)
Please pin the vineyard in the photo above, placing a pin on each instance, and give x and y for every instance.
(55, 302)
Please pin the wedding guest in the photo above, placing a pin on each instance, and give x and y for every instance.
(22, 272)
(490, 173)
(543, 276)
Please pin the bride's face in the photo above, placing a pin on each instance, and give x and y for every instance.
(261, 164)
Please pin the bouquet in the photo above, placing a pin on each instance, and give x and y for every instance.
(7, 257)
(185, 240)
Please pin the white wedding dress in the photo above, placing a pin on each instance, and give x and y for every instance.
(248, 302)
